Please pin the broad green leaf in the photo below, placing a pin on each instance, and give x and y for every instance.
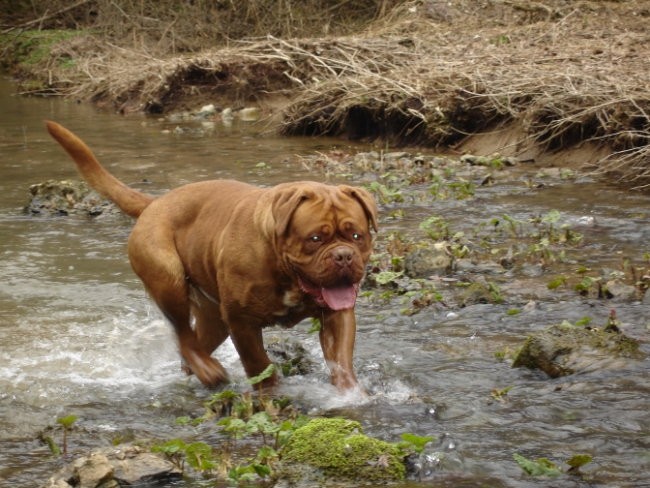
(539, 467)
(266, 374)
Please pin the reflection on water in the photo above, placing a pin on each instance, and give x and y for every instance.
(79, 336)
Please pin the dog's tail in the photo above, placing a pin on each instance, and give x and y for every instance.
(132, 202)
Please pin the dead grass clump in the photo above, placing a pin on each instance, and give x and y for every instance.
(565, 80)
(246, 71)
(426, 72)
(171, 27)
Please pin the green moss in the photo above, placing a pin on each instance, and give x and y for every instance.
(32, 47)
(338, 448)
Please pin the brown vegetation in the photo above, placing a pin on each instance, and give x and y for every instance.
(525, 78)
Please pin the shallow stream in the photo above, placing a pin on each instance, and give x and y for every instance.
(78, 334)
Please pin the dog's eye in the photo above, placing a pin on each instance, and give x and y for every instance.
(356, 236)
(315, 238)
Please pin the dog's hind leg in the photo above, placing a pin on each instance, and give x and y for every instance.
(159, 267)
(210, 329)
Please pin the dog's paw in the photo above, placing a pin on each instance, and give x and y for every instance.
(208, 370)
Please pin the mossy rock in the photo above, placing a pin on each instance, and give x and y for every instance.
(290, 355)
(565, 349)
(480, 291)
(337, 448)
(67, 197)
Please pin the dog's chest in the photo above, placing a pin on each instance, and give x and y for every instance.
(292, 308)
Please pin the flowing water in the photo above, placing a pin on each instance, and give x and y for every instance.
(79, 336)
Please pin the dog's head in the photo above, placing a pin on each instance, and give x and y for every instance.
(323, 235)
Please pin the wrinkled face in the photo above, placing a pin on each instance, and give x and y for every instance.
(328, 245)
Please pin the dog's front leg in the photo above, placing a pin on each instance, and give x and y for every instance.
(337, 336)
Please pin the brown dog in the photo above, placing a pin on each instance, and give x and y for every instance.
(235, 258)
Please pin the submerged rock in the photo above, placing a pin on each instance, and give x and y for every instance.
(337, 448)
(620, 291)
(67, 197)
(480, 291)
(427, 261)
(565, 349)
(124, 466)
(290, 355)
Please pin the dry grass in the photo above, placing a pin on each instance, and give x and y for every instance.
(429, 72)
(572, 76)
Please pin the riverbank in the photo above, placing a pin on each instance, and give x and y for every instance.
(551, 82)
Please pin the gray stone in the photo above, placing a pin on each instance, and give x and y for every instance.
(67, 197)
(565, 349)
(110, 468)
(134, 465)
(428, 261)
(92, 471)
(621, 292)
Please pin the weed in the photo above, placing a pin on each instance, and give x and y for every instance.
(556, 282)
(385, 194)
(500, 394)
(414, 443)
(547, 468)
(66, 422)
(198, 455)
(436, 228)
(505, 353)
(538, 467)
(32, 47)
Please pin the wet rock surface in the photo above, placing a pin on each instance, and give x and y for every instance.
(290, 355)
(565, 349)
(124, 466)
(66, 197)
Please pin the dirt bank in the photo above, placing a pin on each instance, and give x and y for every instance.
(551, 80)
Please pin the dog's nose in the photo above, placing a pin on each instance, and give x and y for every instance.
(342, 256)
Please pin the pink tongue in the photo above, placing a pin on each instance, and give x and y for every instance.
(341, 297)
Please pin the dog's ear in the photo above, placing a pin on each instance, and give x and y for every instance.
(275, 211)
(366, 200)
(284, 206)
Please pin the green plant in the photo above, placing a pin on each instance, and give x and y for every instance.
(32, 47)
(414, 443)
(386, 277)
(500, 394)
(241, 415)
(264, 375)
(436, 228)
(556, 282)
(66, 422)
(537, 467)
(386, 194)
(315, 326)
(198, 455)
(578, 461)
(495, 292)
(547, 468)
